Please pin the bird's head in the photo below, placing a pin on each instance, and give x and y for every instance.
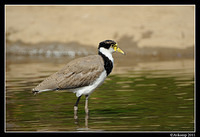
(109, 46)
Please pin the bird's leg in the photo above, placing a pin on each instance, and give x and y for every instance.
(76, 108)
(86, 111)
(86, 105)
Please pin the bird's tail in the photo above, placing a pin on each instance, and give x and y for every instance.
(49, 84)
(35, 91)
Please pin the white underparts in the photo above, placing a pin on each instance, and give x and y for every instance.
(87, 90)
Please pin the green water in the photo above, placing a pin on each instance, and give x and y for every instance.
(132, 100)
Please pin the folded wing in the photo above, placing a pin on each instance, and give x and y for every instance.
(77, 73)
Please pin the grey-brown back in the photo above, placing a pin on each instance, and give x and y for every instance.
(77, 73)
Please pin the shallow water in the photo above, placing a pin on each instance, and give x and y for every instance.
(153, 96)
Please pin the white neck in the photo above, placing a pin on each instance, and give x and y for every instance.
(107, 53)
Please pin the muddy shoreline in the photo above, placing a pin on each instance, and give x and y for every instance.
(58, 52)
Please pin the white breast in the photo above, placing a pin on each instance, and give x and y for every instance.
(89, 89)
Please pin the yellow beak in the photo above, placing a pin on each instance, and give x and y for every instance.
(118, 49)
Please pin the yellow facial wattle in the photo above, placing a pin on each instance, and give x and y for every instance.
(117, 49)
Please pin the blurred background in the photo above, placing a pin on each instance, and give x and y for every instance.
(156, 31)
(158, 41)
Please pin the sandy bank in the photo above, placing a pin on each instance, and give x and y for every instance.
(147, 26)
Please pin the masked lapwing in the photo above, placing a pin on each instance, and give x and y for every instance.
(83, 75)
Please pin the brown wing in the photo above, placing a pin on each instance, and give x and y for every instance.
(77, 73)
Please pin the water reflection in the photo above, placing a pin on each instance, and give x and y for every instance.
(86, 123)
(131, 99)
